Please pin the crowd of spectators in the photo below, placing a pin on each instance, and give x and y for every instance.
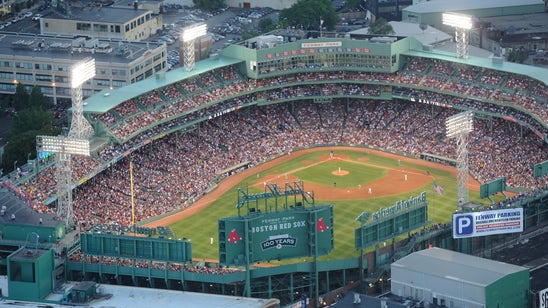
(171, 172)
(128, 118)
(192, 267)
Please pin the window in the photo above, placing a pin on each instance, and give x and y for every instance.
(118, 83)
(42, 66)
(102, 82)
(44, 78)
(61, 79)
(115, 28)
(6, 75)
(62, 68)
(83, 26)
(26, 65)
(20, 76)
(100, 28)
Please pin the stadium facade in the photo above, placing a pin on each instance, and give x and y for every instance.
(293, 70)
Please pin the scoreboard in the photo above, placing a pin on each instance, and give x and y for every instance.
(296, 232)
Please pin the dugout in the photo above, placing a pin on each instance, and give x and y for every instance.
(452, 279)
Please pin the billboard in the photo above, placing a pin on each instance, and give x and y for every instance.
(540, 169)
(492, 187)
(298, 232)
(400, 218)
(543, 298)
(487, 223)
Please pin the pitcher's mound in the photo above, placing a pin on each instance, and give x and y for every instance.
(340, 173)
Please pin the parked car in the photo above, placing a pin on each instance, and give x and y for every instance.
(167, 39)
(36, 17)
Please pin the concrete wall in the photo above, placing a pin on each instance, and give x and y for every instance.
(422, 286)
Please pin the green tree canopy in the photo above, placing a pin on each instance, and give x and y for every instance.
(208, 5)
(32, 119)
(307, 14)
(37, 98)
(381, 27)
(266, 25)
(21, 97)
(353, 3)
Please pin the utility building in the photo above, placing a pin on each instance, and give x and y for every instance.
(448, 278)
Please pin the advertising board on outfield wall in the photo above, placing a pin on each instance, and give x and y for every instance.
(299, 232)
(487, 223)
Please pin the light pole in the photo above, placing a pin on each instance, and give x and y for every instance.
(189, 35)
(462, 24)
(76, 143)
(458, 127)
(14, 165)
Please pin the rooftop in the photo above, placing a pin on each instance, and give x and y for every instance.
(16, 212)
(62, 47)
(99, 14)
(457, 266)
(429, 36)
(134, 297)
(465, 5)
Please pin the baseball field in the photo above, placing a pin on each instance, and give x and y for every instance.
(353, 180)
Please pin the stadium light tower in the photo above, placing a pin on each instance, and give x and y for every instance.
(76, 143)
(461, 23)
(459, 126)
(189, 35)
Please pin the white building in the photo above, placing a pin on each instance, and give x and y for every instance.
(453, 279)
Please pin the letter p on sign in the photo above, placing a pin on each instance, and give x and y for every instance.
(464, 225)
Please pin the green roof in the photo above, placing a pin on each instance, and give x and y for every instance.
(110, 98)
(534, 72)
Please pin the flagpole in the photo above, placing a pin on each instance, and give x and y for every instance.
(131, 186)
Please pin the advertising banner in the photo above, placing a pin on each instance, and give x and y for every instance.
(487, 223)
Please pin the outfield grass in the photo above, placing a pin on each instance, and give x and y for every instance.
(200, 228)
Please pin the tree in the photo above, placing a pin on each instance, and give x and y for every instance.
(351, 4)
(208, 5)
(31, 119)
(307, 14)
(17, 149)
(26, 126)
(21, 97)
(381, 27)
(266, 25)
(37, 98)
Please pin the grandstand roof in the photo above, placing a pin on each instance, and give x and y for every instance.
(457, 266)
(461, 5)
(535, 72)
(108, 99)
(24, 215)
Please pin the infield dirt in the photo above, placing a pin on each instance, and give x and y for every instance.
(392, 184)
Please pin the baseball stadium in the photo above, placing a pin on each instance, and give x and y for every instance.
(297, 170)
